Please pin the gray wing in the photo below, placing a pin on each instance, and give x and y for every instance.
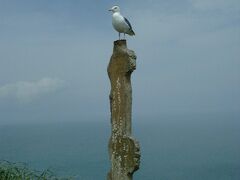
(128, 23)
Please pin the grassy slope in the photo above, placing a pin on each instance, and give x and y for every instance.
(20, 171)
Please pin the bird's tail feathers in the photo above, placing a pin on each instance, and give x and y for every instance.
(131, 32)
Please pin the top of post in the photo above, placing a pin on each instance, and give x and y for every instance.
(122, 59)
(122, 44)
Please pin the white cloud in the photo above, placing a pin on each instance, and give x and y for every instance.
(26, 91)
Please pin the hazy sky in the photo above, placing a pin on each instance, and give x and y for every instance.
(54, 55)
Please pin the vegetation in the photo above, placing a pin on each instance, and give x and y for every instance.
(20, 171)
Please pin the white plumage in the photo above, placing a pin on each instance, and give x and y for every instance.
(120, 23)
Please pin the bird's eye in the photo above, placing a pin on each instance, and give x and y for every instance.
(115, 8)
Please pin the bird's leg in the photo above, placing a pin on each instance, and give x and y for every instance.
(124, 36)
(119, 36)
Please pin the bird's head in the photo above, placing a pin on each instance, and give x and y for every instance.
(115, 9)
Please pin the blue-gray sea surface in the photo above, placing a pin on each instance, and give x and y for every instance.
(199, 147)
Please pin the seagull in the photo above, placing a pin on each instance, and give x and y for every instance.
(120, 23)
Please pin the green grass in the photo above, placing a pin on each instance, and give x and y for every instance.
(20, 171)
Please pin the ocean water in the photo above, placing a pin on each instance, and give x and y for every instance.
(196, 147)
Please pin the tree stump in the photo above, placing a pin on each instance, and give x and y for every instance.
(124, 150)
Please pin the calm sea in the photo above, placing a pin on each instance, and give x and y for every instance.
(199, 147)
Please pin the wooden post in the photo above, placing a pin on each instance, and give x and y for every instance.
(124, 150)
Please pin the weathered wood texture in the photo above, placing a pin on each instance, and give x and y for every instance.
(124, 150)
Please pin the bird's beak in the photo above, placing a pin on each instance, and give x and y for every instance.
(110, 10)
